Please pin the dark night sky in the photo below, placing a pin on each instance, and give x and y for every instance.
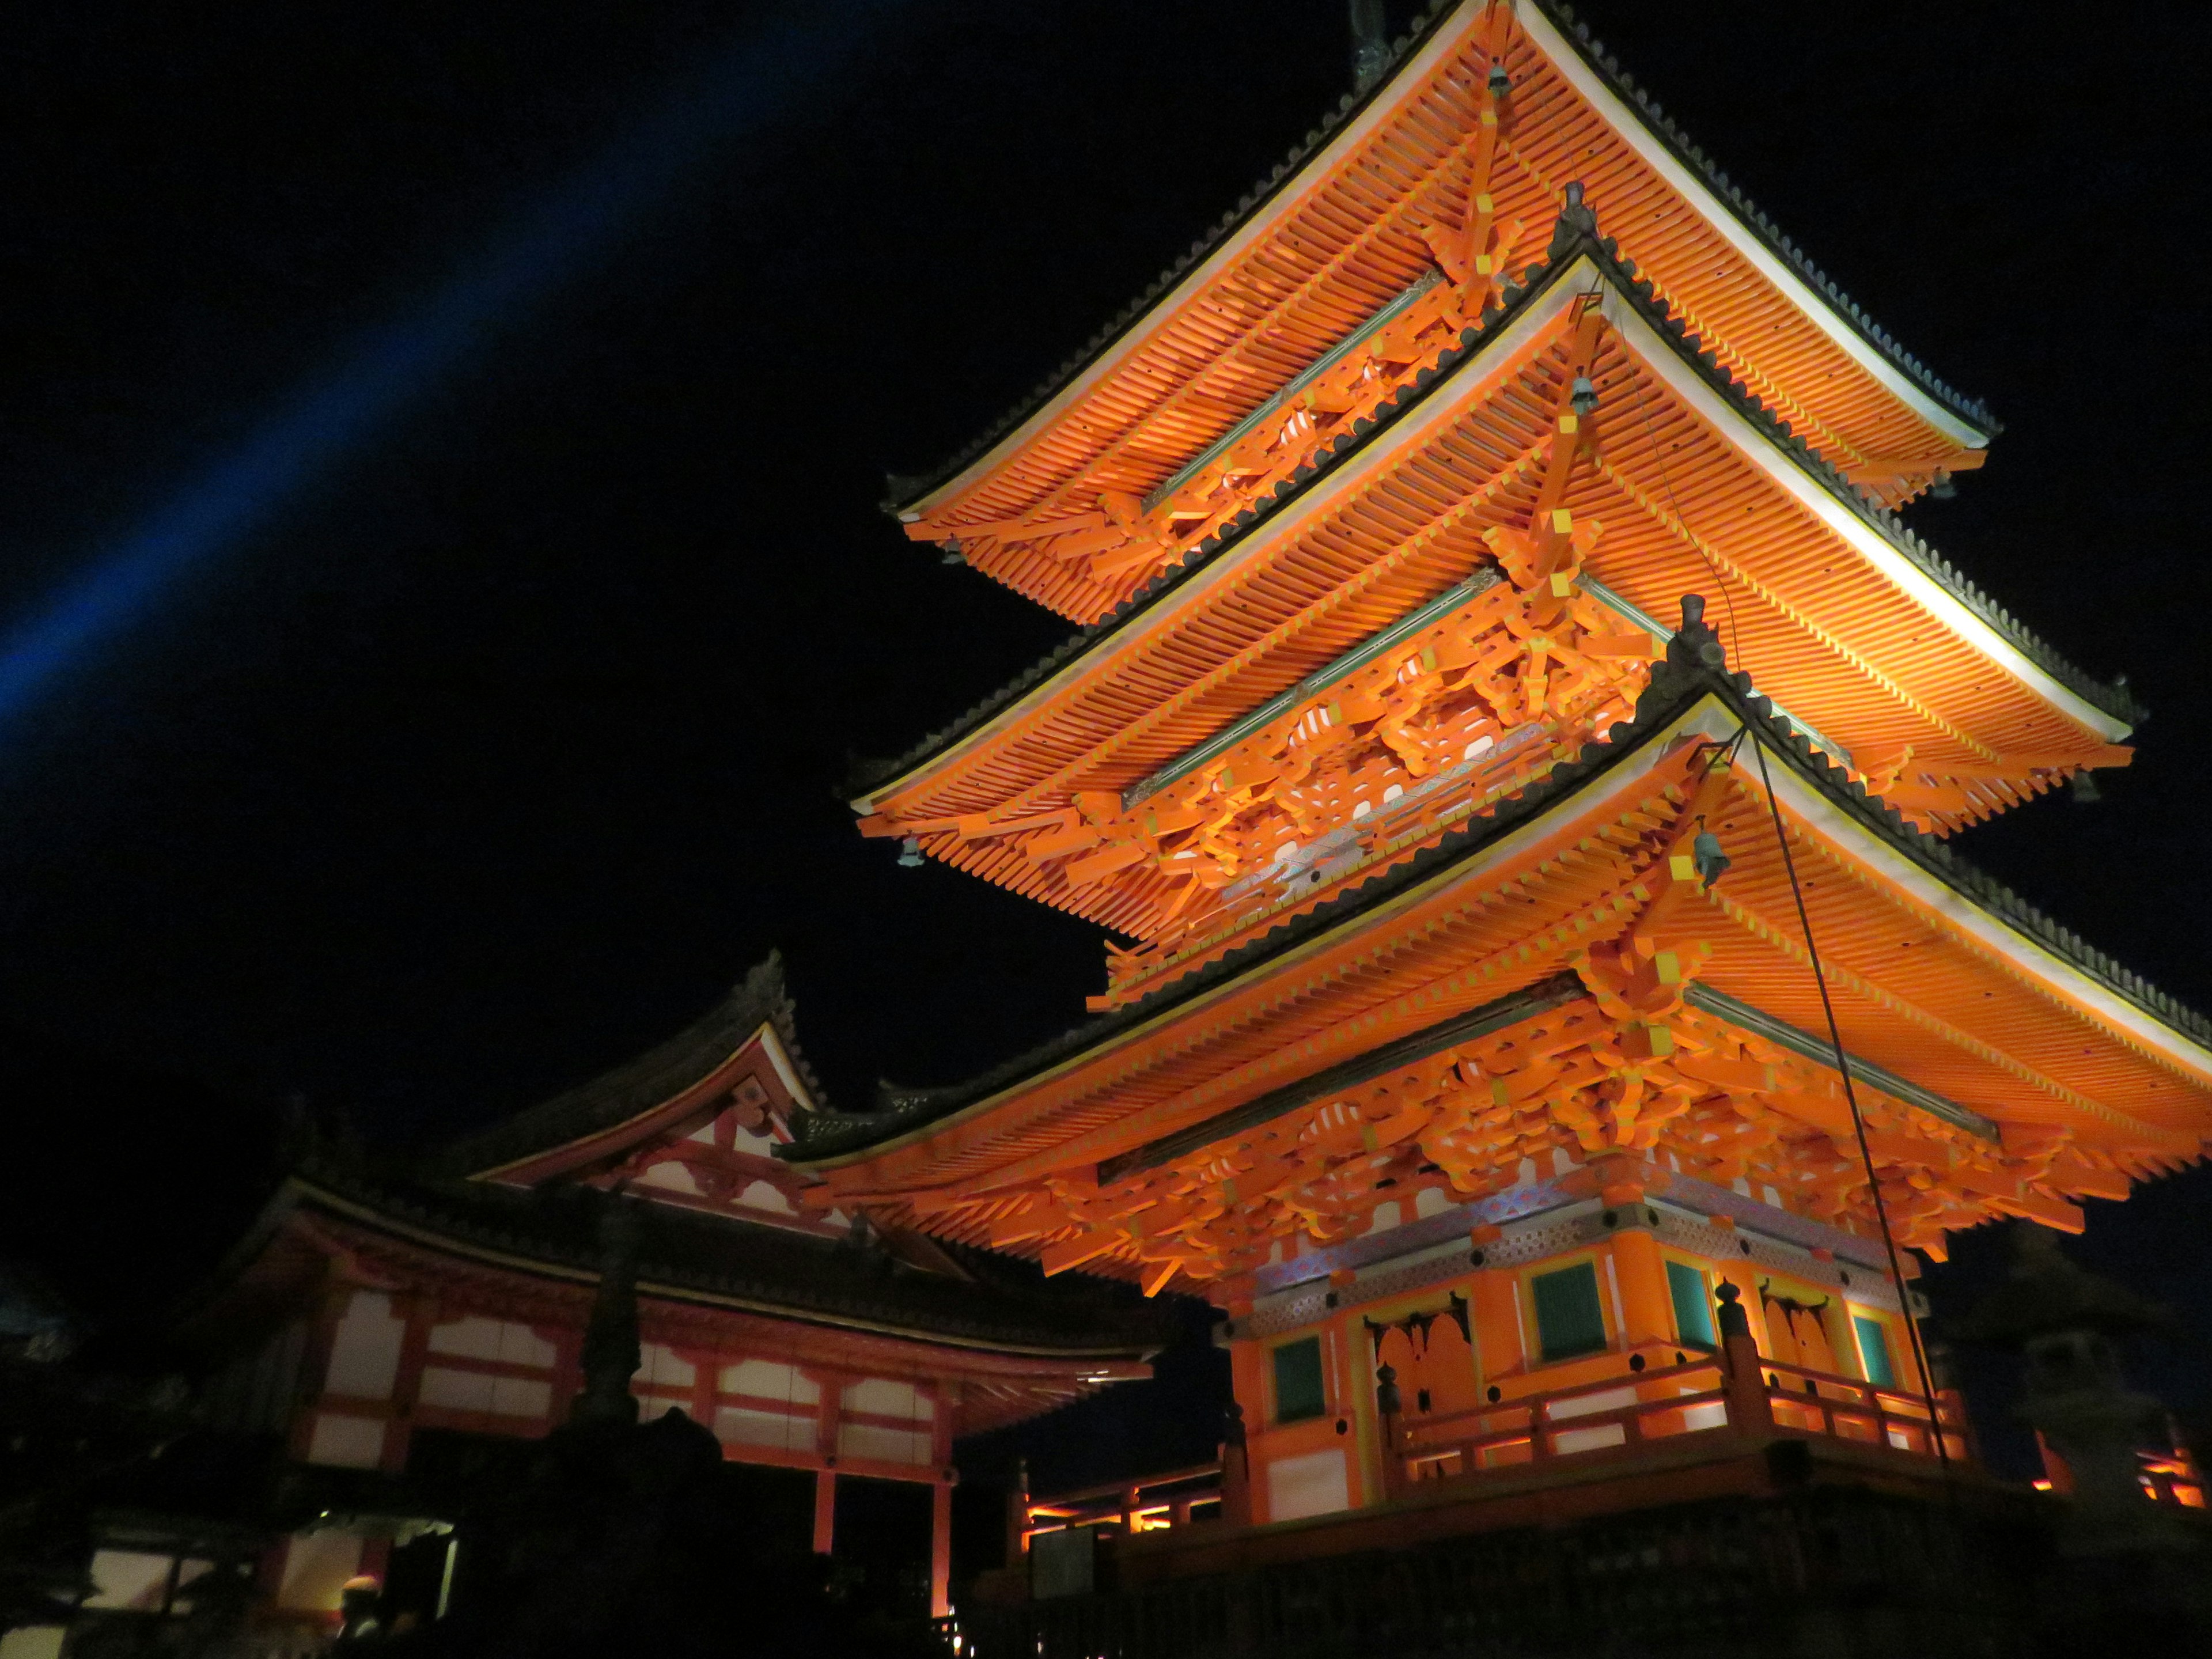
(498, 751)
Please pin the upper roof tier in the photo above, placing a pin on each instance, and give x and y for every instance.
(1345, 602)
(1443, 167)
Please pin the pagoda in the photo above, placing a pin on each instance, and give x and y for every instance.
(1514, 747)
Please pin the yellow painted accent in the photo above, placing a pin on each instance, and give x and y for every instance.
(1682, 867)
(1670, 967)
(1563, 522)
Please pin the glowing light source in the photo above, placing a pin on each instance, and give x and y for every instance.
(737, 93)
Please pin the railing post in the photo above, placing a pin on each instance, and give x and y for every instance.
(1018, 1516)
(1236, 1470)
(1387, 1405)
(1750, 1411)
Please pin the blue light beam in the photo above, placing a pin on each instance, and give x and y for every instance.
(738, 94)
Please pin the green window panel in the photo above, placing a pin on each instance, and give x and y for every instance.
(1874, 1351)
(1569, 1319)
(1299, 1392)
(1694, 1309)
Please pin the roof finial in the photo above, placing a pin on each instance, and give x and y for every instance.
(1370, 43)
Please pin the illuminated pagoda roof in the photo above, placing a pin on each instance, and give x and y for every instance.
(2022, 1066)
(1320, 592)
(1353, 222)
(1575, 241)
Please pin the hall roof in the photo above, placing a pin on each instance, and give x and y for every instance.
(632, 1099)
(711, 1261)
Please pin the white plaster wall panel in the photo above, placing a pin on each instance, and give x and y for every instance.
(884, 1446)
(316, 1566)
(660, 1367)
(34, 1642)
(883, 1397)
(739, 1426)
(480, 1391)
(477, 1338)
(1317, 1483)
(365, 1349)
(346, 1443)
(763, 1195)
(129, 1579)
(455, 1391)
(521, 1396)
(770, 1379)
(672, 1178)
(1590, 1439)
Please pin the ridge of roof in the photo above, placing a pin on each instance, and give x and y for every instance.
(1973, 410)
(904, 489)
(1574, 233)
(637, 1085)
(830, 1281)
(1676, 683)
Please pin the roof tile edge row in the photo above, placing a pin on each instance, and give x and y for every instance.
(905, 489)
(1569, 239)
(1676, 685)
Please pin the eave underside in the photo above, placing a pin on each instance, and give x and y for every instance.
(1690, 496)
(1352, 232)
(1948, 996)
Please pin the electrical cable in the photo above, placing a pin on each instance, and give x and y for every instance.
(1813, 951)
(1858, 1122)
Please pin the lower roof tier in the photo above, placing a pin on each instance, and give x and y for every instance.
(1476, 571)
(1564, 976)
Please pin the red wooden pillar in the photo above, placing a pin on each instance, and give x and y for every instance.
(825, 1510)
(945, 1397)
(706, 1373)
(941, 1546)
(832, 1385)
(315, 1363)
(421, 1313)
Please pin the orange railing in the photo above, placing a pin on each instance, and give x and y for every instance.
(1157, 1501)
(1621, 1413)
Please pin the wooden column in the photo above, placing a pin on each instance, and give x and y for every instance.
(421, 1313)
(1646, 1306)
(825, 1511)
(1018, 1516)
(940, 1548)
(832, 1385)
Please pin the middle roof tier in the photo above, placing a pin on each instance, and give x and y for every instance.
(1437, 599)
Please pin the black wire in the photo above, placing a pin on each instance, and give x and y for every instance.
(1811, 950)
(1851, 1099)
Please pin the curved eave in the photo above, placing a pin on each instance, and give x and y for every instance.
(1601, 83)
(613, 1106)
(1879, 537)
(508, 1257)
(2082, 977)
